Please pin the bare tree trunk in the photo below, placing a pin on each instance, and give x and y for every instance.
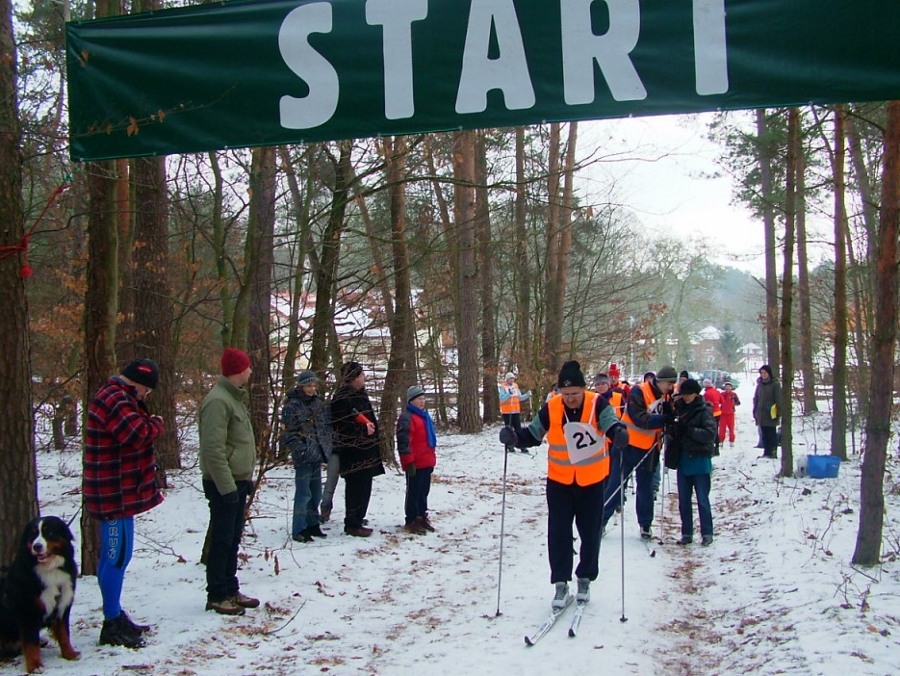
(768, 192)
(839, 370)
(125, 218)
(567, 201)
(806, 343)
(18, 493)
(154, 316)
(328, 261)
(553, 313)
(302, 199)
(100, 309)
(258, 264)
(402, 368)
(223, 273)
(787, 292)
(467, 340)
(522, 352)
(884, 339)
(490, 397)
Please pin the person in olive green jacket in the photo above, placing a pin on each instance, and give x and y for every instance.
(227, 457)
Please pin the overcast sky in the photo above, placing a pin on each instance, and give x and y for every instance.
(667, 183)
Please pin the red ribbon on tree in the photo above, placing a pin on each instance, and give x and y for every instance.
(22, 245)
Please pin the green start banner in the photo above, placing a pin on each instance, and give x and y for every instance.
(267, 72)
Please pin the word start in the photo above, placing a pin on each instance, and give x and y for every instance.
(507, 72)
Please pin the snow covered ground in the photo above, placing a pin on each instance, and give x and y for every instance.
(774, 594)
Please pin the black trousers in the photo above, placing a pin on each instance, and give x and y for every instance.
(584, 506)
(769, 440)
(226, 525)
(357, 492)
(513, 420)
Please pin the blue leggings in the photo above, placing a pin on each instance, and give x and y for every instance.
(116, 544)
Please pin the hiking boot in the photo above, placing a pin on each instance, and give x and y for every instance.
(226, 607)
(138, 628)
(684, 540)
(325, 515)
(245, 601)
(358, 531)
(646, 533)
(425, 523)
(707, 540)
(584, 590)
(316, 531)
(118, 632)
(561, 597)
(414, 528)
(302, 536)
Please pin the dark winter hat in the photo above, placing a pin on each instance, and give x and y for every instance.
(667, 373)
(234, 361)
(601, 378)
(684, 374)
(350, 370)
(144, 372)
(570, 375)
(690, 386)
(307, 377)
(767, 369)
(413, 392)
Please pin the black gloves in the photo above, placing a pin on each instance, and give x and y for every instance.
(230, 498)
(410, 470)
(508, 436)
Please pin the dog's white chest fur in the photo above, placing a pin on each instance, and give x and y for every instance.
(58, 589)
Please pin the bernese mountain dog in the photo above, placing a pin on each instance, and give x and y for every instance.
(38, 591)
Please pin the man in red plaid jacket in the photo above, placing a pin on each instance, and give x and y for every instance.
(119, 482)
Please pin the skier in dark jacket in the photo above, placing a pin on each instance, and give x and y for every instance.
(306, 435)
(693, 433)
(356, 442)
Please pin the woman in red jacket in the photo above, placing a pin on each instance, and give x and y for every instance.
(416, 441)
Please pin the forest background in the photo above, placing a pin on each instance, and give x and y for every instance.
(444, 259)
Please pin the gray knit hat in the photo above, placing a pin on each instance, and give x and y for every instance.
(413, 392)
(307, 377)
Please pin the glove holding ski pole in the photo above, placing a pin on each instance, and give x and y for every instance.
(508, 436)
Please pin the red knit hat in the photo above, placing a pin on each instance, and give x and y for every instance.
(234, 361)
(614, 370)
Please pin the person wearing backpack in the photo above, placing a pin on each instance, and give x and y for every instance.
(692, 439)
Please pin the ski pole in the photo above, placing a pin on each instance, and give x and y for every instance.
(622, 526)
(502, 524)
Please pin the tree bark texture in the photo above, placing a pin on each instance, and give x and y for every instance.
(878, 424)
(787, 292)
(100, 309)
(18, 493)
(805, 315)
(402, 371)
(323, 319)
(467, 329)
(490, 397)
(839, 361)
(766, 152)
(154, 314)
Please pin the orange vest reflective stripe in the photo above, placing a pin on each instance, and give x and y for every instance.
(591, 470)
(637, 436)
(511, 405)
(617, 401)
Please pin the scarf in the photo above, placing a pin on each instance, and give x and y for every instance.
(429, 423)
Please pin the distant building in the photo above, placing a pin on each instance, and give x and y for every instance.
(752, 357)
